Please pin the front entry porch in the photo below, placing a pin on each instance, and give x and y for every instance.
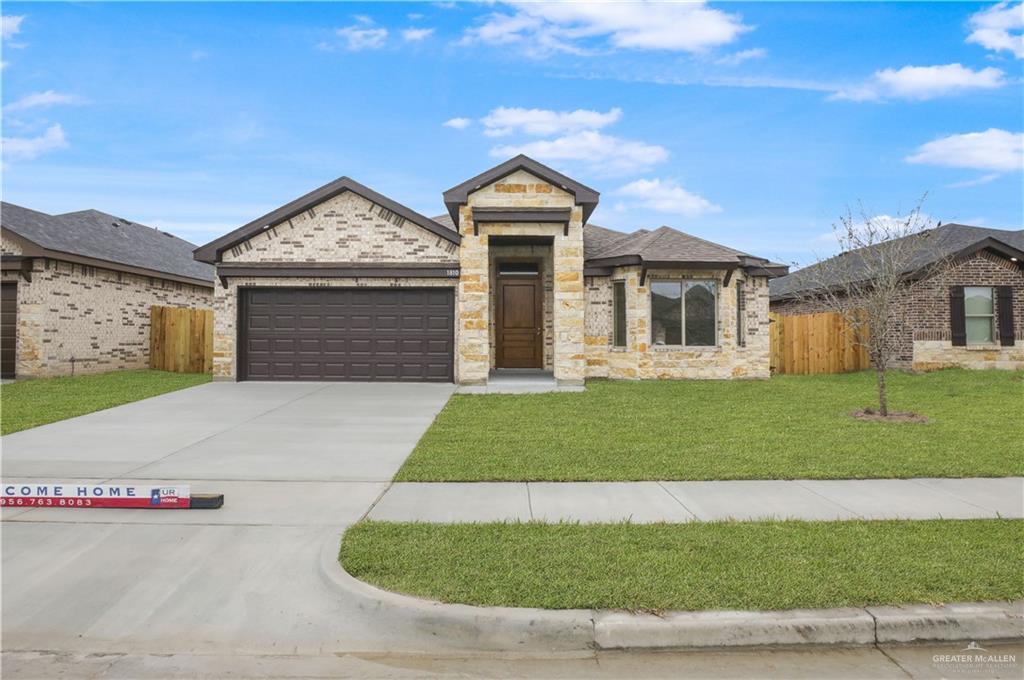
(519, 381)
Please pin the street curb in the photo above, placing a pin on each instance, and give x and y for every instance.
(461, 625)
(514, 628)
(956, 621)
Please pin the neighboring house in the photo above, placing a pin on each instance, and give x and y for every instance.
(346, 284)
(970, 312)
(77, 289)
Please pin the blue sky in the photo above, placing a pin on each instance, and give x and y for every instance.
(750, 124)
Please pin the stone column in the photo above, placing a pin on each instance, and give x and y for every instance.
(570, 303)
(472, 362)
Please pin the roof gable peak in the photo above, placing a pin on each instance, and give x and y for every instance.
(459, 194)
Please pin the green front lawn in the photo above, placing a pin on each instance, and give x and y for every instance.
(783, 428)
(37, 402)
(743, 565)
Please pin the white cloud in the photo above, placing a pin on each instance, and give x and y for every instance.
(503, 121)
(416, 34)
(994, 149)
(984, 179)
(198, 55)
(458, 123)
(923, 82)
(737, 58)
(668, 197)
(999, 28)
(362, 37)
(31, 147)
(547, 27)
(43, 100)
(10, 25)
(603, 153)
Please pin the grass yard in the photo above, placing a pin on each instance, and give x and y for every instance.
(742, 565)
(784, 428)
(37, 402)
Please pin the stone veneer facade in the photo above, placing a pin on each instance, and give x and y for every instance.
(640, 360)
(924, 341)
(73, 318)
(474, 313)
(345, 228)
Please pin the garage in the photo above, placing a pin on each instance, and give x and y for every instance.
(8, 329)
(372, 334)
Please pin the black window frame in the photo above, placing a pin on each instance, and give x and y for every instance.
(683, 284)
(741, 314)
(619, 314)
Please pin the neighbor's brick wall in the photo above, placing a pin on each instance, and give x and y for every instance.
(225, 308)
(346, 228)
(639, 360)
(90, 318)
(922, 335)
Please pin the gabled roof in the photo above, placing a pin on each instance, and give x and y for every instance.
(212, 250)
(100, 236)
(949, 241)
(459, 195)
(664, 247)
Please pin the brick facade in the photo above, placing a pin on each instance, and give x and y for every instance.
(73, 318)
(922, 329)
(345, 228)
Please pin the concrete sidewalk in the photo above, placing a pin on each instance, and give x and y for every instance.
(645, 502)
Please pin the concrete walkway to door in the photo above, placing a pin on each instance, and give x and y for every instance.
(837, 499)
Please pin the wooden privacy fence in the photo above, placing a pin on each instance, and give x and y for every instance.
(815, 343)
(181, 339)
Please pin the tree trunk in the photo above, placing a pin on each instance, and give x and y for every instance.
(883, 400)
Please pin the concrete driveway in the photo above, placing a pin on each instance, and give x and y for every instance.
(296, 462)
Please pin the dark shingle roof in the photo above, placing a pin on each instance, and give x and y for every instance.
(944, 242)
(91, 233)
(664, 244)
(445, 221)
(667, 244)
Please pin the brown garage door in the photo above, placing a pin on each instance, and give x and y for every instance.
(8, 329)
(347, 334)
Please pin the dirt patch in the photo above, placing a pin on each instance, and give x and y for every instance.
(893, 417)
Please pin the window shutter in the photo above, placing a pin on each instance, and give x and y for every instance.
(1004, 308)
(957, 320)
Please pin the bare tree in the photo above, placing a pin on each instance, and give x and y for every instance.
(879, 266)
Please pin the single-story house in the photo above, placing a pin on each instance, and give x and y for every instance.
(346, 284)
(966, 307)
(77, 289)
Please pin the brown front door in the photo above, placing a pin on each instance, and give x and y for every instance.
(519, 334)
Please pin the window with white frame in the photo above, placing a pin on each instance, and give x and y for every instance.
(684, 313)
(979, 313)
